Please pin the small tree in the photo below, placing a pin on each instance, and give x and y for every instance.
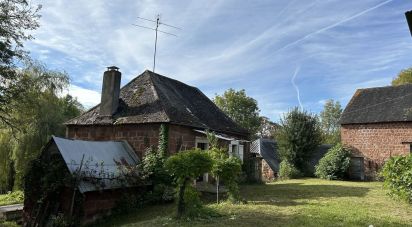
(334, 164)
(185, 166)
(298, 137)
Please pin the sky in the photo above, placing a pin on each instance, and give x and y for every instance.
(284, 53)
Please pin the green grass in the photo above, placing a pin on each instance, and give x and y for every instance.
(307, 202)
(11, 198)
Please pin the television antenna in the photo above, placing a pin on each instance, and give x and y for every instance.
(156, 29)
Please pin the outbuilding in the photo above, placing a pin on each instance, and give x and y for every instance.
(377, 124)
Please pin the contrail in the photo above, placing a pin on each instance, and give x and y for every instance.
(334, 25)
(296, 87)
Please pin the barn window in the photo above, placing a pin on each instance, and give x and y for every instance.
(410, 148)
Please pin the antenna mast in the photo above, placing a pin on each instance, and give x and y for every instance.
(158, 22)
(154, 55)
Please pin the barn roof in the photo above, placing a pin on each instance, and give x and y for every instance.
(153, 98)
(379, 104)
(101, 162)
(267, 149)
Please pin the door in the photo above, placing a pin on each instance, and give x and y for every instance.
(356, 168)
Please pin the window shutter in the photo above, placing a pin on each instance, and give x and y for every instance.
(241, 152)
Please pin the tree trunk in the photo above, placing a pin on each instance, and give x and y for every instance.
(181, 203)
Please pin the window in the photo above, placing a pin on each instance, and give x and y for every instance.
(202, 146)
(410, 148)
(236, 149)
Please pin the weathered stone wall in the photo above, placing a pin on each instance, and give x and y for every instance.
(377, 142)
(267, 173)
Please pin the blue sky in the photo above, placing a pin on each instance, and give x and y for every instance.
(325, 49)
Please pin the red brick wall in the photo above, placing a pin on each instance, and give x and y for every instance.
(139, 136)
(377, 142)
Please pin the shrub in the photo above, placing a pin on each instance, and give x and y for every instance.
(288, 171)
(185, 166)
(298, 137)
(11, 198)
(334, 164)
(397, 174)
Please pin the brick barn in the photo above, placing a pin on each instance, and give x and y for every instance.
(135, 112)
(377, 124)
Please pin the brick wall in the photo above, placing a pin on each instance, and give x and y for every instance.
(140, 136)
(377, 142)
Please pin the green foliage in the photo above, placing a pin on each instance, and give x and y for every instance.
(242, 109)
(397, 174)
(298, 137)
(17, 17)
(39, 114)
(185, 166)
(288, 171)
(192, 200)
(6, 162)
(334, 164)
(329, 121)
(404, 77)
(11, 198)
(163, 139)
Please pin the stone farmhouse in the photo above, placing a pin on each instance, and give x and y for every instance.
(377, 124)
(135, 112)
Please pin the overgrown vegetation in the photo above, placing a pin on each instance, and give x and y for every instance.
(397, 174)
(298, 137)
(39, 114)
(334, 165)
(11, 198)
(288, 171)
(186, 166)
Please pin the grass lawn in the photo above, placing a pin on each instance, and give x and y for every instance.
(11, 198)
(306, 202)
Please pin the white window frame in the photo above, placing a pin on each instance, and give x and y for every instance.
(238, 147)
(206, 141)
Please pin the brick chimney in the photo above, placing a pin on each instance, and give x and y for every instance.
(110, 91)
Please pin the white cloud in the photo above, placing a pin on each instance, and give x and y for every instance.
(88, 98)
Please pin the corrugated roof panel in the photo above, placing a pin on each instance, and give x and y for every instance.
(102, 161)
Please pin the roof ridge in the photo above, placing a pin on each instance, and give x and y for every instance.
(156, 90)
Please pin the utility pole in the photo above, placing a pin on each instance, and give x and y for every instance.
(156, 29)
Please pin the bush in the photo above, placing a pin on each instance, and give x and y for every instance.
(334, 164)
(288, 171)
(397, 174)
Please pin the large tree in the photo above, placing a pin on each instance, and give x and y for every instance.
(329, 119)
(17, 18)
(241, 108)
(298, 137)
(404, 77)
(40, 113)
